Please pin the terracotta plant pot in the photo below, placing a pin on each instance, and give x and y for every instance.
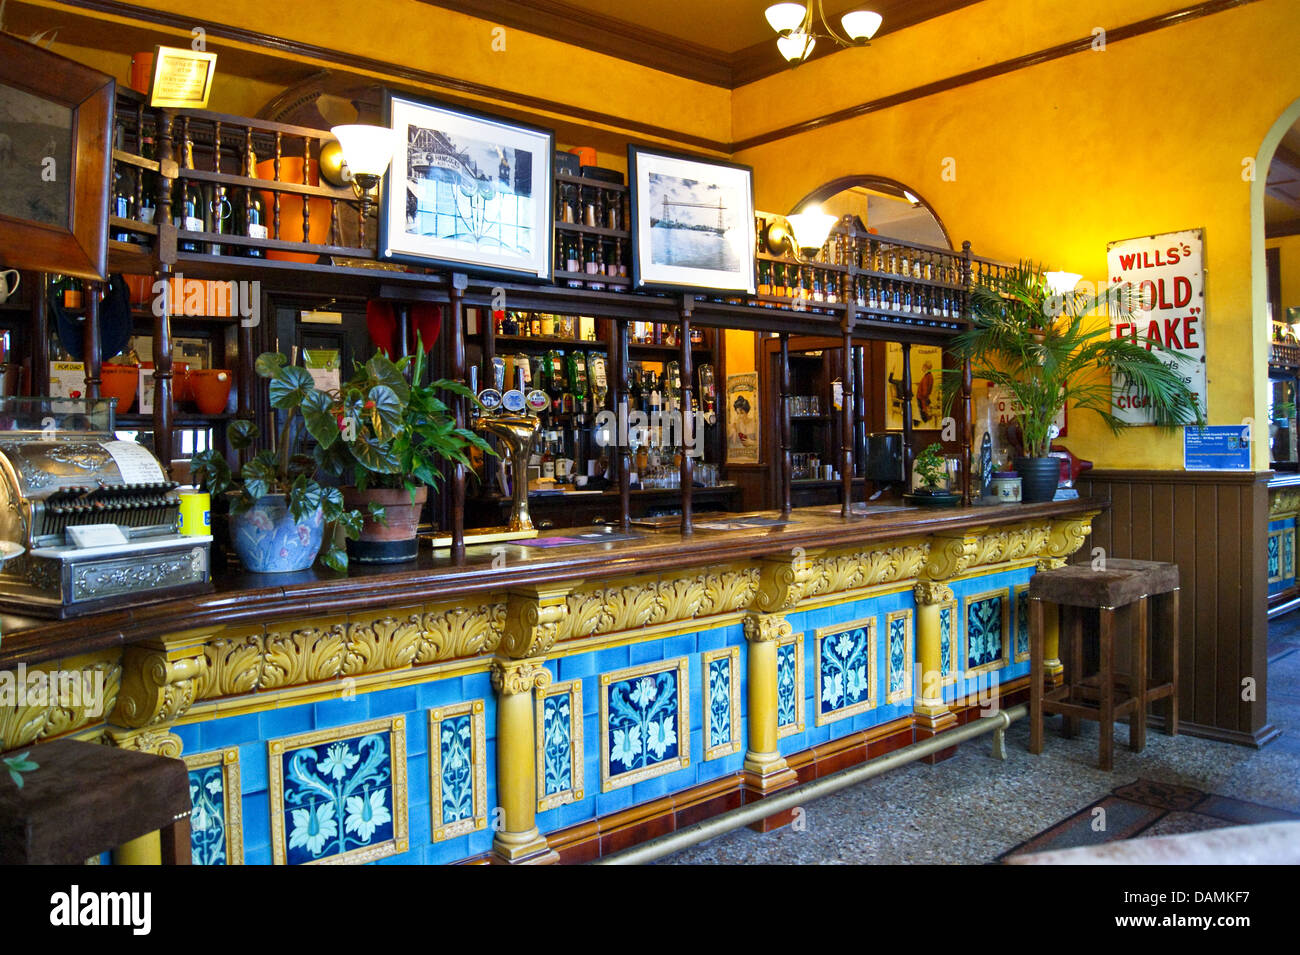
(291, 208)
(393, 540)
(181, 391)
(211, 389)
(119, 381)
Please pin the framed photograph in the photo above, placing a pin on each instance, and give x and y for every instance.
(469, 191)
(55, 160)
(692, 222)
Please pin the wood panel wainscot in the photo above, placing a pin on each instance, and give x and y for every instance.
(624, 688)
(1214, 525)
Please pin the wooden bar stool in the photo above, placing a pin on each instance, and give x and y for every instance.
(84, 799)
(1119, 595)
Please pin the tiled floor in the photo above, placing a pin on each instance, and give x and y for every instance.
(972, 808)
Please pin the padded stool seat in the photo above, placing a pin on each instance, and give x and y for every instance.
(84, 799)
(1118, 593)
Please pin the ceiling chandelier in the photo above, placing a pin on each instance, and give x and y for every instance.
(799, 34)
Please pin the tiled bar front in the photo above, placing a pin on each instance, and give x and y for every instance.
(507, 726)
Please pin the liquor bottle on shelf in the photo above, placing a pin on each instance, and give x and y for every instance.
(149, 185)
(708, 395)
(595, 268)
(250, 214)
(68, 291)
(187, 203)
(764, 278)
(576, 366)
(596, 376)
(122, 202)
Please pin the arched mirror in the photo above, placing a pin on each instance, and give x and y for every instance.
(886, 207)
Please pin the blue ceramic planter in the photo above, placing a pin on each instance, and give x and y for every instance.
(268, 539)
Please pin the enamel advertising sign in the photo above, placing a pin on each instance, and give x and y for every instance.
(1169, 272)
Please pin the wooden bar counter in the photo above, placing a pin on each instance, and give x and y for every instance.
(550, 703)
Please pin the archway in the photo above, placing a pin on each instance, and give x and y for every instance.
(886, 205)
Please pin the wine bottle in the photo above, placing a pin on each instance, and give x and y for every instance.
(250, 218)
(149, 186)
(122, 203)
(187, 204)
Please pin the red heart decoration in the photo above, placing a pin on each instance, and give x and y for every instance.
(381, 323)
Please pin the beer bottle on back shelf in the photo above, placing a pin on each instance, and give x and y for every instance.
(122, 203)
(187, 204)
(250, 218)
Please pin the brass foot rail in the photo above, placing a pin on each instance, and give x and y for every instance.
(701, 831)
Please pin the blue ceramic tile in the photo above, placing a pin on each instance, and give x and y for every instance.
(682, 645)
(257, 821)
(418, 822)
(229, 731)
(581, 664)
(453, 850)
(258, 856)
(612, 659)
(479, 842)
(208, 802)
(714, 639)
(400, 699)
(650, 789)
(788, 697)
(439, 693)
(643, 721)
(337, 797)
(575, 813)
(252, 767)
(645, 652)
(287, 720)
(456, 742)
(338, 712)
(417, 734)
(417, 776)
(614, 800)
(189, 735)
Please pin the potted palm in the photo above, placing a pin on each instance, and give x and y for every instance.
(281, 517)
(1043, 351)
(386, 437)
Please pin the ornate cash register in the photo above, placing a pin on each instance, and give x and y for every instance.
(97, 516)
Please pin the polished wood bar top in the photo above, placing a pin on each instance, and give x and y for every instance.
(493, 568)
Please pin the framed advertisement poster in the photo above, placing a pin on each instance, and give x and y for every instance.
(1168, 270)
(467, 191)
(692, 222)
(927, 387)
(742, 418)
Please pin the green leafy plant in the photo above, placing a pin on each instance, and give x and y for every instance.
(278, 470)
(931, 467)
(1044, 351)
(17, 765)
(379, 430)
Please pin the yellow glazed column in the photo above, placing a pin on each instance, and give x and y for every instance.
(1053, 669)
(518, 841)
(765, 766)
(932, 713)
(144, 850)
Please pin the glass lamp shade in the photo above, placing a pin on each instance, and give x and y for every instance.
(1062, 283)
(366, 149)
(810, 228)
(785, 17)
(796, 47)
(861, 24)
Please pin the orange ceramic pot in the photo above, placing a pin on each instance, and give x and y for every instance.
(181, 390)
(119, 381)
(291, 208)
(211, 388)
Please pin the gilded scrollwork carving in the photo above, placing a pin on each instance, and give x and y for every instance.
(1049, 563)
(866, 568)
(98, 687)
(519, 676)
(532, 621)
(1284, 501)
(160, 742)
(55, 698)
(305, 654)
(678, 598)
(951, 554)
(387, 642)
(783, 581)
(931, 592)
(730, 589)
(158, 682)
(234, 665)
(766, 627)
(1068, 535)
(452, 632)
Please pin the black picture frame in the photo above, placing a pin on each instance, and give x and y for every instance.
(717, 255)
(462, 192)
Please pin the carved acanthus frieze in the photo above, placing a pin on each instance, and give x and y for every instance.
(451, 632)
(383, 642)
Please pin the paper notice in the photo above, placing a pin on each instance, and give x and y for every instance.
(135, 462)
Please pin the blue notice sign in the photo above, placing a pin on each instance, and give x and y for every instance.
(1224, 447)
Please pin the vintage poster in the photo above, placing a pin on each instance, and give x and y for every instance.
(1169, 271)
(742, 418)
(927, 387)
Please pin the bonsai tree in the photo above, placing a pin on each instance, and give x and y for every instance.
(931, 467)
(278, 470)
(1043, 351)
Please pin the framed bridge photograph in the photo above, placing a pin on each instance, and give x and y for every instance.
(467, 191)
(692, 222)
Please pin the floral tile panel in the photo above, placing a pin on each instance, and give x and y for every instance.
(721, 702)
(216, 829)
(898, 629)
(559, 745)
(846, 665)
(645, 722)
(458, 769)
(986, 631)
(789, 685)
(339, 795)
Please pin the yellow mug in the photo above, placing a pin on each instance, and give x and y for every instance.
(196, 514)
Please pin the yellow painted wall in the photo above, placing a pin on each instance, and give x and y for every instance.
(1289, 259)
(1053, 161)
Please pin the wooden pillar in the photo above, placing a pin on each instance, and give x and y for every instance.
(459, 282)
(846, 432)
(689, 437)
(168, 168)
(967, 438)
(860, 409)
(787, 458)
(90, 340)
(909, 451)
(624, 450)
